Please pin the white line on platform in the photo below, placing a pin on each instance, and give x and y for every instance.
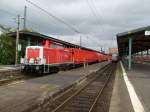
(137, 105)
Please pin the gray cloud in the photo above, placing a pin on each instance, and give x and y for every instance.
(111, 18)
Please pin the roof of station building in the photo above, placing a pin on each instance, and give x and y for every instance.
(38, 36)
(140, 41)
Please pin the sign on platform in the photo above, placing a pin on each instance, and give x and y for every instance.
(19, 47)
(147, 33)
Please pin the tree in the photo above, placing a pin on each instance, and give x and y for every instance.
(7, 49)
(7, 46)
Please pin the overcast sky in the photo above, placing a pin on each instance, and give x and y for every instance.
(98, 20)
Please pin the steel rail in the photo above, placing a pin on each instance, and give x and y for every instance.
(100, 92)
(80, 90)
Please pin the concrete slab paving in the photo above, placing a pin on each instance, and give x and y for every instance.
(139, 76)
(120, 100)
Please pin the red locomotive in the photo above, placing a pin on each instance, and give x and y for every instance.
(50, 56)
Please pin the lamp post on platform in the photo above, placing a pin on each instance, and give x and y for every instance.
(17, 39)
(18, 47)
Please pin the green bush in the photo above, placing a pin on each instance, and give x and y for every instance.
(7, 49)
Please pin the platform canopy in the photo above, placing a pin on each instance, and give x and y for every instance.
(140, 40)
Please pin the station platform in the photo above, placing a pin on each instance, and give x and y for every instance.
(131, 92)
(19, 96)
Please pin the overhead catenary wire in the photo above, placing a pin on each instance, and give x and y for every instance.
(97, 13)
(31, 22)
(101, 15)
(92, 10)
(14, 17)
(97, 16)
(94, 13)
(51, 15)
(96, 10)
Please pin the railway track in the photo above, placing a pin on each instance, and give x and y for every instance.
(12, 77)
(85, 98)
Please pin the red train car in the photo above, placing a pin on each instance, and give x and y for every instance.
(46, 58)
(50, 56)
(80, 56)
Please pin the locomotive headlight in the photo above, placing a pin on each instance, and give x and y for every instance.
(31, 61)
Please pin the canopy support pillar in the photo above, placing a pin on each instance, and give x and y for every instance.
(130, 53)
(147, 54)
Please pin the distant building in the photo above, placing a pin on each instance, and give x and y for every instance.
(113, 50)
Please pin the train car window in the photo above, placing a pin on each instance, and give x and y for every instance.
(53, 46)
(58, 46)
